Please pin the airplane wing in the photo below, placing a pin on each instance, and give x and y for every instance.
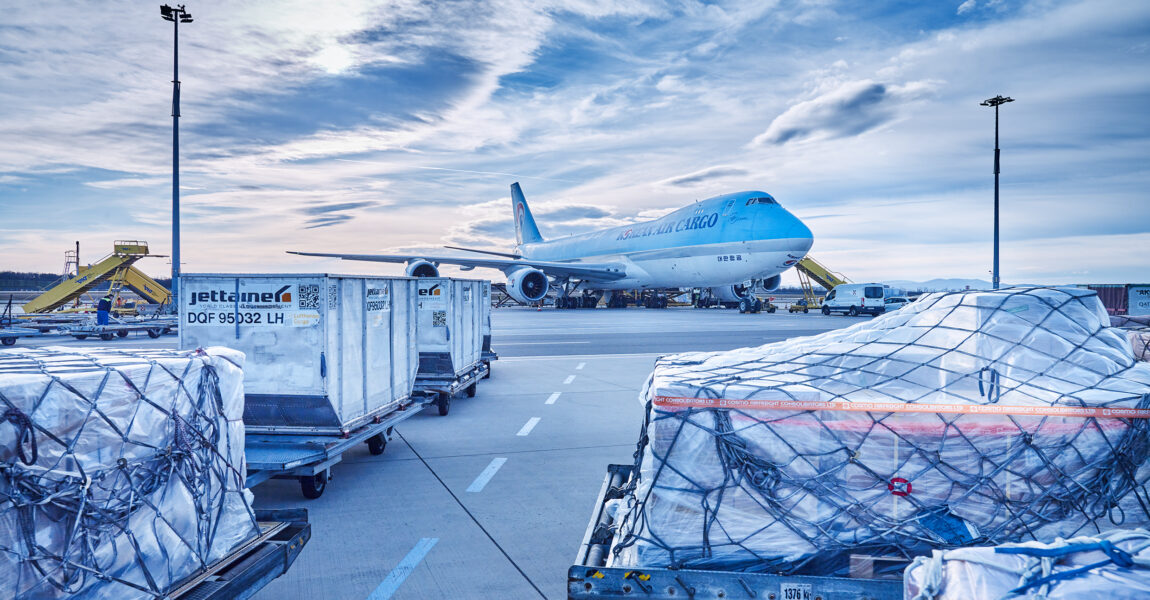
(586, 271)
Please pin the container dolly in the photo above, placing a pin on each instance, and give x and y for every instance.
(589, 579)
(255, 563)
(441, 387)
(309, 457)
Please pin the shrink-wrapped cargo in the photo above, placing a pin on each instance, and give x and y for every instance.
(1084, 567)
(962, 418)
(121, 472)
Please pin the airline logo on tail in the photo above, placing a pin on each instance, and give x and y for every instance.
(519, 210)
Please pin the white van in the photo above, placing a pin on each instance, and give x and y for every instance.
(855, 298)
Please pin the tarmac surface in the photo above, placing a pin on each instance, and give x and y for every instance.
(492, 500)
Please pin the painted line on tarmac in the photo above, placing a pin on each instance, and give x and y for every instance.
(580, 367)
(552, 398)
(569, 379)
(481, 481)
(397, 575)
(526, 429)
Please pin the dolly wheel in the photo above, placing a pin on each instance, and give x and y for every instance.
(312, 486)
(8, 341)
(80, 337)
(443, 403)
(122, 333)
(471, 390)
(107, 336)
(376, 444)
(155, 333)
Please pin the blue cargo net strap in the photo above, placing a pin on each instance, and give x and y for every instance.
(97, 506)
(885, 484)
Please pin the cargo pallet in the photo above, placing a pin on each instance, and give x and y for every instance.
(440, 388)
(309, 457)
(250, 567)
(589, 579)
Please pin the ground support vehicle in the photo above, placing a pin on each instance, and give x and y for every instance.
(800, 306)
(440, 387)
(855, 298)
(250, 567)
(153, 327)
(589, 579)
(309, 457)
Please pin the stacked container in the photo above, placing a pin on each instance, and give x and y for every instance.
(325, 353)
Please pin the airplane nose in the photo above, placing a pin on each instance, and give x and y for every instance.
(801, 233)
(783, 225)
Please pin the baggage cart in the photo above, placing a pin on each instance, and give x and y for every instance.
(251, 566)
(589, 579)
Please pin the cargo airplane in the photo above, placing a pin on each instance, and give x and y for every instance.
(718, 243)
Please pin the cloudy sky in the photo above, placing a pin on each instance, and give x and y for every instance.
(364, 126)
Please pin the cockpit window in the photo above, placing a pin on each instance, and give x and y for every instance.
(761, 200)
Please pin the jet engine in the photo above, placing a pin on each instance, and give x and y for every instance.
(526, 284)
(771, 284)
(729, 293)
(421, 268)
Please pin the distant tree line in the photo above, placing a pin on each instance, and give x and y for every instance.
(11, 281)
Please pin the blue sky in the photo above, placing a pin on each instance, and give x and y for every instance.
(385, 126)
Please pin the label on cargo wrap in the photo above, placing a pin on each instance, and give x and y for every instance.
(378, 305)
(263, 304)
(1138, 300)
(432, 295)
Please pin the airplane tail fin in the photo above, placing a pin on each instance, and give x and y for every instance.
(526, 232)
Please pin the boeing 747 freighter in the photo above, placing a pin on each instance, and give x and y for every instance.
(718, 243)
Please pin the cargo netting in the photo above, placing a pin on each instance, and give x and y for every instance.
(121, 473)
(961, 419)
(1115, 566)
(1137, 331)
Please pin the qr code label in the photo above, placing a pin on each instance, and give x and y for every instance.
(332, 295)
(309, 296)
(439, 318)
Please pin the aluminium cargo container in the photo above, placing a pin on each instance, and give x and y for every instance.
(325, 353)
(451, 318)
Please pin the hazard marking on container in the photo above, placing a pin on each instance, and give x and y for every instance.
(896, 407)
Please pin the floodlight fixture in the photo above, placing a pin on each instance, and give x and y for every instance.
(166, 12)
(996, 101)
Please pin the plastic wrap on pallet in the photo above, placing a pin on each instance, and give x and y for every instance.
(121, 473)
(963, 418)
(1115, 566)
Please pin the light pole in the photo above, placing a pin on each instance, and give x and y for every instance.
(996, 102)
(176, 16)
